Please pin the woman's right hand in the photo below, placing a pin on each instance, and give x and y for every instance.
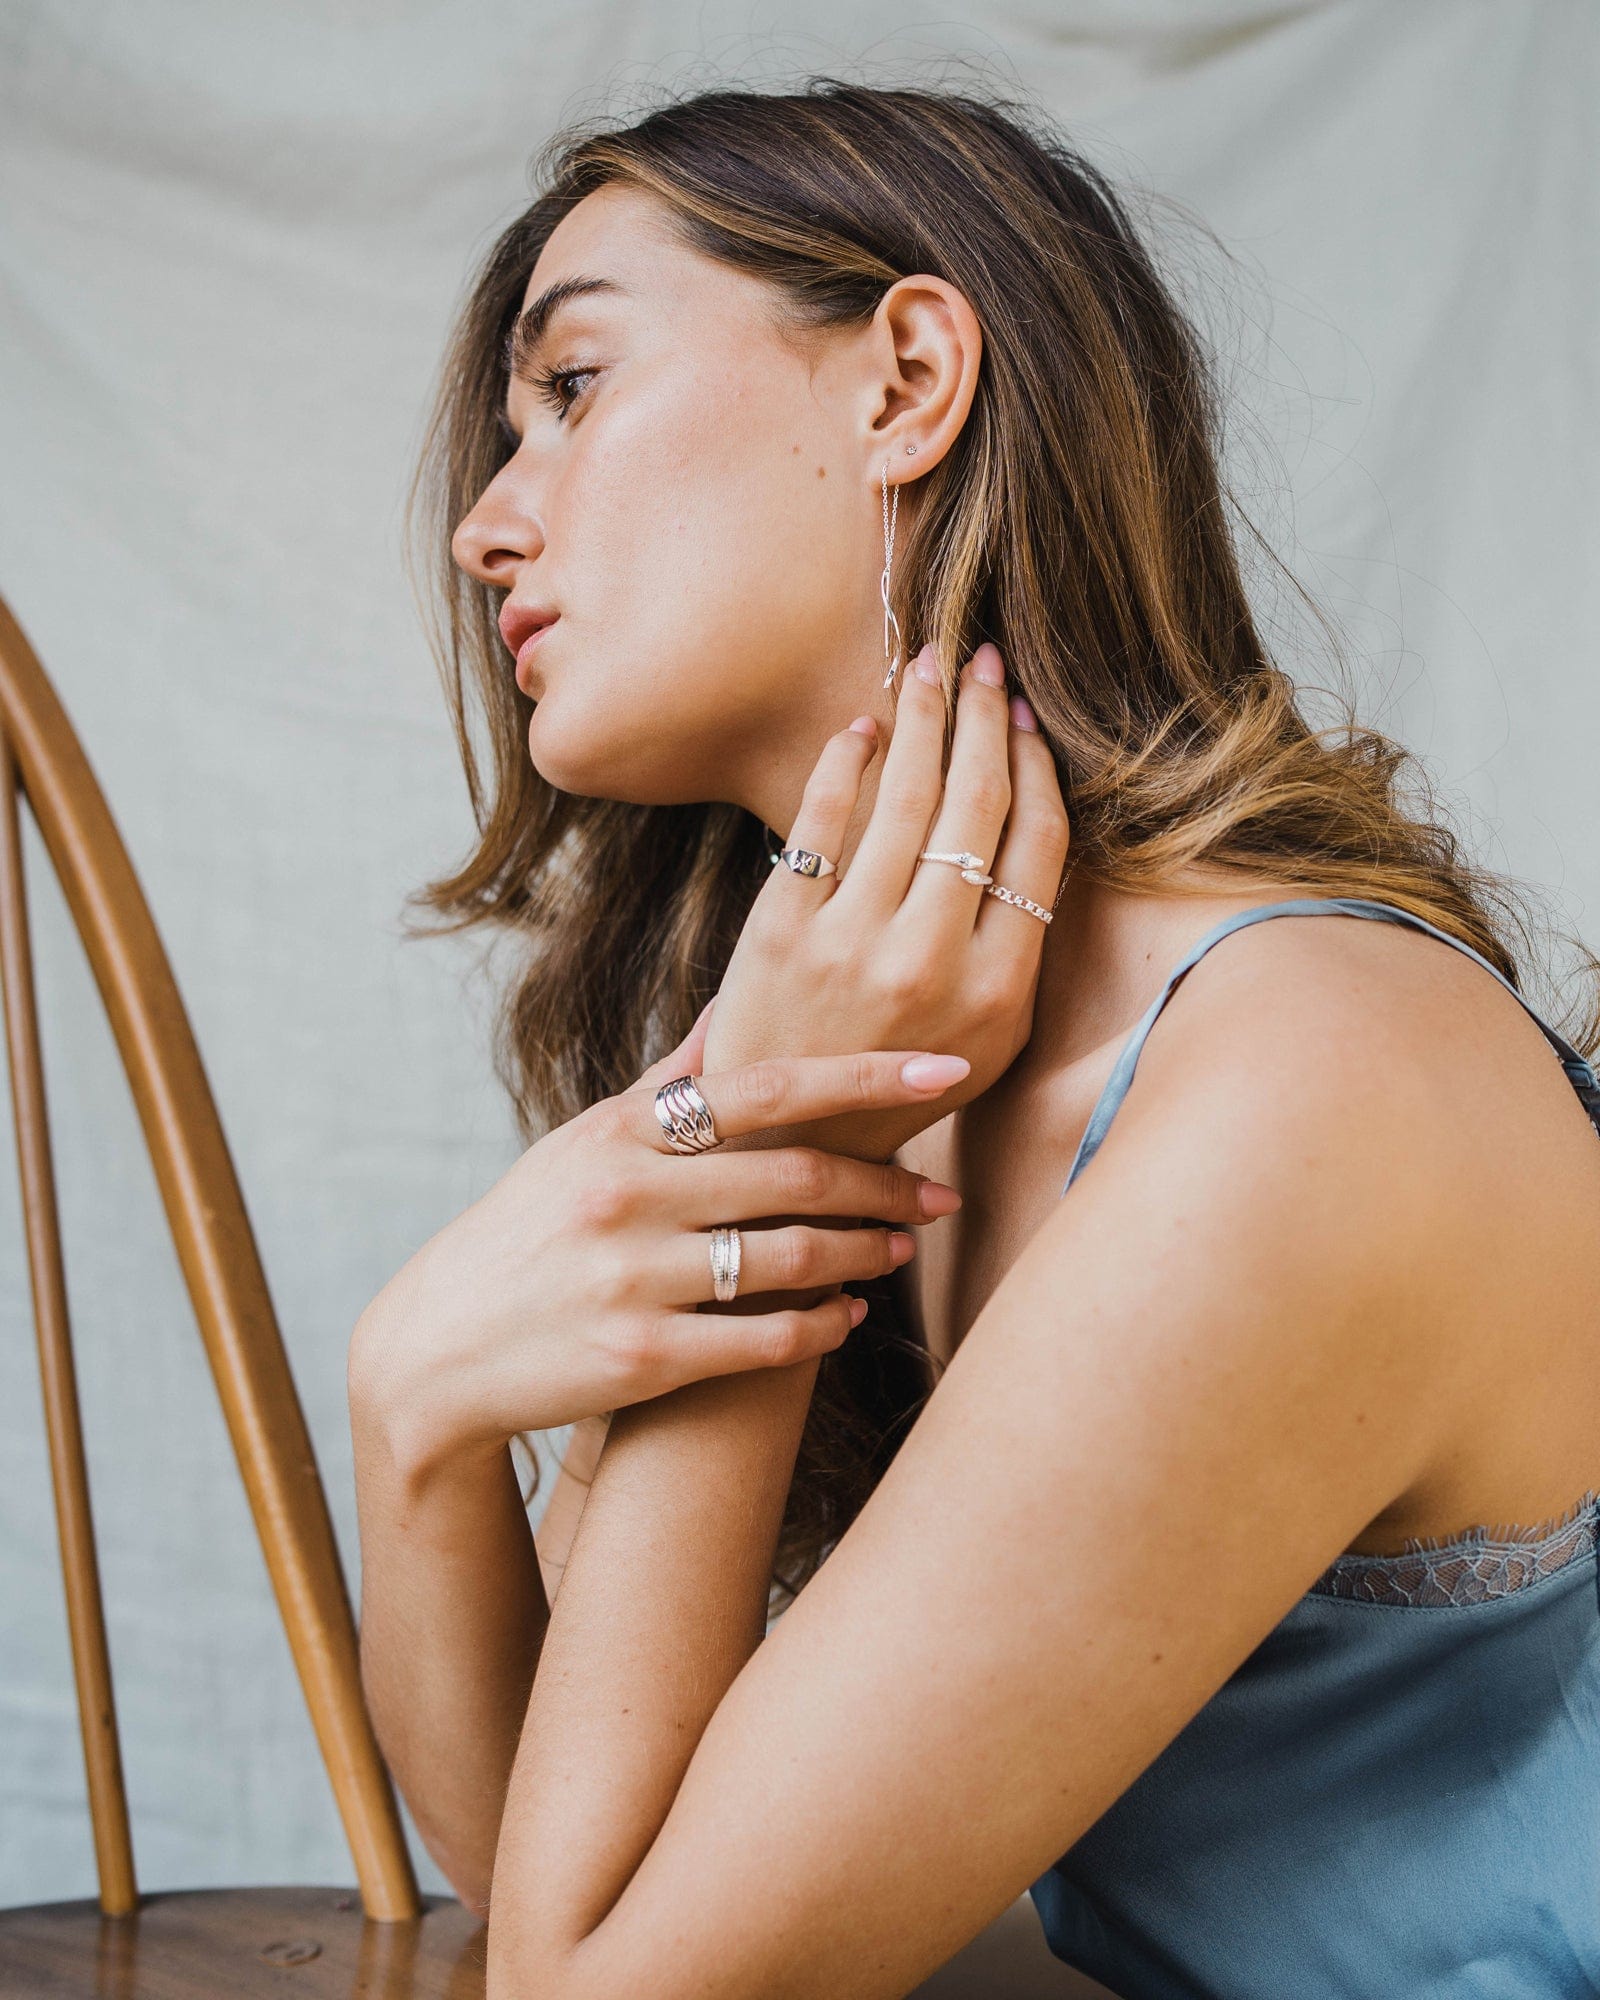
(572, 1287)
(887, 952)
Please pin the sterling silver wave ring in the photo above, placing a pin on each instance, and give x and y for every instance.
(685, 1117)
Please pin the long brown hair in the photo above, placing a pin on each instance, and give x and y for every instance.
(1080, 521)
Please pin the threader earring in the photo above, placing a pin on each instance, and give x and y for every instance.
(889, 519)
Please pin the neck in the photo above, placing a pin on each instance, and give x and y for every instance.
(1108, 950)
(1098, 968)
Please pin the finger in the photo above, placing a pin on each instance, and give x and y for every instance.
(910, 781)
(1033, 853)
(977, 797)
(790, 1090)
(790, 1258)
(685, 1059)
(798, 1180)
(826, 805)
(692, 1346)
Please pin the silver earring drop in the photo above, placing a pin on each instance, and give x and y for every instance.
(889, 618)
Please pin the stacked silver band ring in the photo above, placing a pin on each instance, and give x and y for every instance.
(685, 1117)
(726, 1249)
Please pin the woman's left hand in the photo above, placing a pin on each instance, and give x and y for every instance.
(895, 952)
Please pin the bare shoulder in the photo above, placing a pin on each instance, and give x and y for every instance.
(1357, 1110)
(1380, 1057)
(1327, 1018)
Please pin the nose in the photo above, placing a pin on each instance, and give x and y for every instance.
(500, 533)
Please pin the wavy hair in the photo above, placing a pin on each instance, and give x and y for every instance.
(1080, 521)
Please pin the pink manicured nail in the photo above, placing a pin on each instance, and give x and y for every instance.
(1022, 715)
(864, 725)
(986, 665)
(933, 1072)
(925, 666)
(935, 1198)
(858, 1311)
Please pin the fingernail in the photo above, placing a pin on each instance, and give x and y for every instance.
(925, 666)
(1022, 715)
(986, 665)
(858, 1311)
(864, 725)
(933, 1072)
(934, 1198)
(902, 1248)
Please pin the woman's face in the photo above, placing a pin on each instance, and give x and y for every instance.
(699, 504)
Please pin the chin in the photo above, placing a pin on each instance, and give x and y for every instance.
(589, 757)
(582, 769)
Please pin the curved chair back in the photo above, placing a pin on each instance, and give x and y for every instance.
(42, 760)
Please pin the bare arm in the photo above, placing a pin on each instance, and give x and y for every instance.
(834, 1810)
(564, 1510)
(497, 1325)
(663, 1602)
(454, 1606)
(453, 1614)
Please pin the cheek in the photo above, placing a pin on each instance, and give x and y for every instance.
(712, 569)
(728, 539)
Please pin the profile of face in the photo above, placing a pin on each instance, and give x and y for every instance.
(698, 500)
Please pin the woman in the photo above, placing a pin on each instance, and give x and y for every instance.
(1179, 1599)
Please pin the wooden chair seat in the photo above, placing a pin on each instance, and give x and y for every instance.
(315, 1944)
(198, 1944)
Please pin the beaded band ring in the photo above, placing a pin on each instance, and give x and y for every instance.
(1022, 902)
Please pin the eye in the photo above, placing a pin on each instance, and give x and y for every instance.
(552, 388)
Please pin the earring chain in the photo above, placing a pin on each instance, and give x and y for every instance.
(889, 520)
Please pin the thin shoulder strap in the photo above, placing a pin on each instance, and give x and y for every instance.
(1580, 1072)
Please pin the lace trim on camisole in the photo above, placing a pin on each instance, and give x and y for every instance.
(1467, 1569)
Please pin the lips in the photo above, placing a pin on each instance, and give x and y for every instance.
(522, 626)
(525, 653)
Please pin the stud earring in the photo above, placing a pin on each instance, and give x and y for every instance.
(889, 618)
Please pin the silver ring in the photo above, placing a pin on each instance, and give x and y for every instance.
(686, 1117)
(1022, 902)
(804, 862)
(726, 1248)
(973, 866)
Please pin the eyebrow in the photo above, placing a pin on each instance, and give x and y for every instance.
(533, 322)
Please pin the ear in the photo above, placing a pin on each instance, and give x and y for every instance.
(926, 345)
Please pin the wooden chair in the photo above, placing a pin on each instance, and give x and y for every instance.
(381, 1938)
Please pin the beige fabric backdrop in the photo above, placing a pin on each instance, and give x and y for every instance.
(231, 239)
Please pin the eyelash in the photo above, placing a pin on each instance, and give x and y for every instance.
(549, 388)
